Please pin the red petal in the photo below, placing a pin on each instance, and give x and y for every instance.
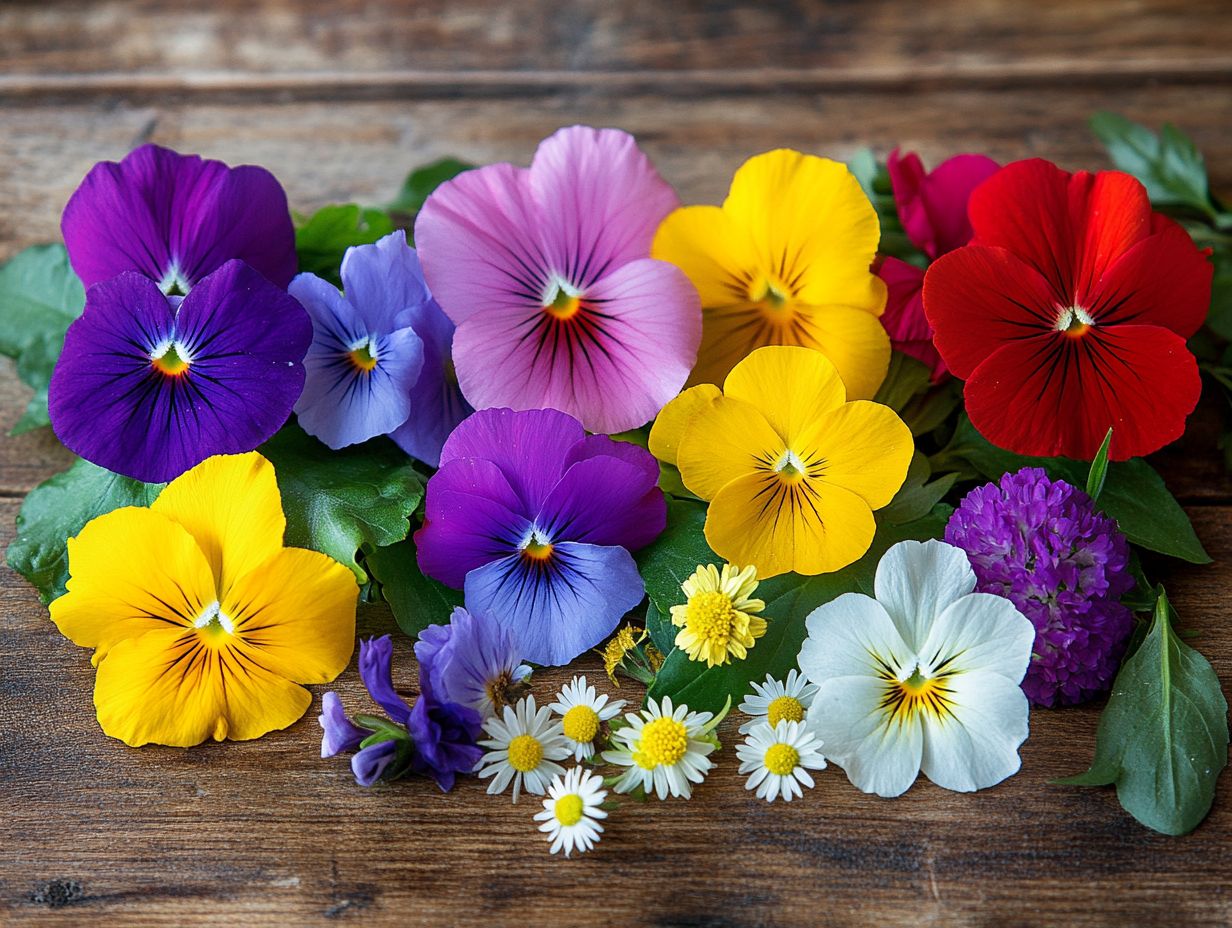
(1113, 213)
(1163, 280)
(1056, 395)
(977, 298)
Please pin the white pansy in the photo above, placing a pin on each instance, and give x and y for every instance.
(923, 678)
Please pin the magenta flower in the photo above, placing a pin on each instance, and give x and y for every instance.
(535, 521)
(546, 272)
(177, 218)
(932, 206)
(904, 318)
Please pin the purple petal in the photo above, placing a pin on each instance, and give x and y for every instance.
(472, 516)
(382, 281)
(370, 764)
(596, 445)
(529, 447)
(167, 215)
(558, 610)
(458, 661)
(341, 734)
(601, 200)
(605, 501)
(444, 736)
(375, 667)
(246, 339)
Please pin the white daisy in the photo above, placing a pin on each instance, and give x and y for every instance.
(780, 759)
(663, 749)
(571, 811)
(581, 713)
(924, 678)
(777, 701)
(525, 745)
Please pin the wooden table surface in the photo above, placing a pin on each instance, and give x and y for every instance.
(340, 98)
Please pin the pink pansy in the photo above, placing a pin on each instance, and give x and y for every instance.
(933, 205)
(545, 271)
(904, 319)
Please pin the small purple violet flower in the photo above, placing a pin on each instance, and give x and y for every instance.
(175, 219)
(471, 661)
(372, 763)
(536, 521)
(444, 735)
(341, 735)
(376, 670)
(1041, 544)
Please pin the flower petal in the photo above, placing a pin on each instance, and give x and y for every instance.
(559, 611)
(714, 251)
(878, 756)
(725, 440)
(917, 581)
(979, 633)
(672, 420)
(131, 571)
(382, 281)
(789, 386)
(866, 447)
(977, 747)
(631, 513)
(851, 636)
(933, 206)
(231, 506)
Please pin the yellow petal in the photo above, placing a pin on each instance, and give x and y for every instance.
(729, 333)
(295, 615)
(854, 340)
(867, 449)
(231, 505)
(713, 252)
(807, 527)
(789, 386)
(131, 571)
(670, 423)
(810, 223)
(728, 439)
(167, 687)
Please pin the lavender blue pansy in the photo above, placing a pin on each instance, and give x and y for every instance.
(472, 661)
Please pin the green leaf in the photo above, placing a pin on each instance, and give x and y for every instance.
(39, 297)
(416, 601)
(789, 599)
(1163, 737)
(323, 238)
(906, 378)
(1169, 165)
(338, 501)
(918, 494)
(1135, 495)
(1219, 317)
(57, 509)
(420, 183)
(1099, 468)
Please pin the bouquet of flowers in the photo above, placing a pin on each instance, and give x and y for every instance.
(858, 452)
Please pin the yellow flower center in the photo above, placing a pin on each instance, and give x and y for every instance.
(537, 549)
(171, 360)
(568, 809)
(497, 689)
(213, 624)
(662, 744)
(581, 723)
(1073, 321)
(563, 305)
(784, 708)
(364, 356)
(525, 752)
(781, 759)
(904, 700)
(771, 295)
(710, 617)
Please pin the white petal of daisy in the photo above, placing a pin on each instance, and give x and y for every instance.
(662, 748)
(949, 706)
(779, 759)
(571, 811)
(524, 748)
(776, 701)
(582, 712)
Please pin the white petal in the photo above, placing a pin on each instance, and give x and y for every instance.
(879, 757)
(916, 581)
(981, 632)
(978, 746)
(847, 635)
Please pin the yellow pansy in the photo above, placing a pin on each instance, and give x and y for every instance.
(785, 261)
(203, 624)
(792, 470)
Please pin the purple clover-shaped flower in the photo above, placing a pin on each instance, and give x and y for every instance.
(1041, 544)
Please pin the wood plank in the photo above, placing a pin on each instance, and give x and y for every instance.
(266, 833)
(952, 38)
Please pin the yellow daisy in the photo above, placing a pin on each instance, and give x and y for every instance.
(785, 261)
(203, 624)
(718, 622)
(793, 471)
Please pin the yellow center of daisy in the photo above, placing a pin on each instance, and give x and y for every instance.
(710, 617)
(781, 759)
(171, 359)
(568, 809)
(525, 753)
(905, 699)
(784, 708)
(363, 356)
(581, 723)
(662, 744)
(1073, 321)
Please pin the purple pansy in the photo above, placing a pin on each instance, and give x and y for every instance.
(149, 386)
(340, 734)
(547, 272)
(1041, 544)
(175, 219)
(472, 661)
(535, 520)
(444, 735)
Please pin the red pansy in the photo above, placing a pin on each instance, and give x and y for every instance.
(1068, 313)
